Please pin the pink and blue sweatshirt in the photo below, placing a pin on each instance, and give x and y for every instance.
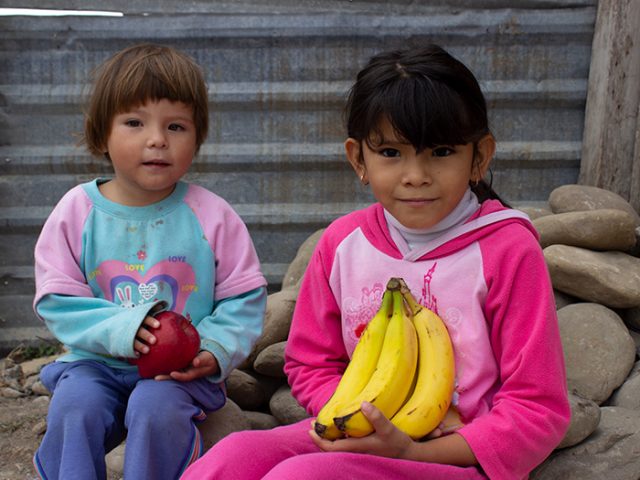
(102, 267)
(487, 279)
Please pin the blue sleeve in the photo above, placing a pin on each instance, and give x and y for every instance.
(233, 328)
(93, 324)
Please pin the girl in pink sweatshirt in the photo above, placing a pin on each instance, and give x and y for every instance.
(418, 135)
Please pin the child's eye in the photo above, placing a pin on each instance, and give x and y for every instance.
(442, 151)
(132, 122)
(176, 127)
(389, 152)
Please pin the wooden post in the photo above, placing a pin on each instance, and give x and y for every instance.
(611, 141)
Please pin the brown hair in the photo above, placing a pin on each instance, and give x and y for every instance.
(136, 75)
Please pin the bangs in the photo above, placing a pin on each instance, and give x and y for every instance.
(153, 78)
(422, 112)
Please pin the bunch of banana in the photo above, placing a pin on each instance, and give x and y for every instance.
(403, 364)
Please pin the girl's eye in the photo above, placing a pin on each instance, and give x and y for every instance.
(442, 151)
(389, 152)
(176, 127)
(133, 123)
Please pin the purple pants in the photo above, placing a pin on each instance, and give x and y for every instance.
(287, 453)
(95, 407)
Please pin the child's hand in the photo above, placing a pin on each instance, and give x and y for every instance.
(203, 365)
(144, 337)
(385, 441)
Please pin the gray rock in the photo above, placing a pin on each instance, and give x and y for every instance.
(245, 390)
(609, 278)
(271, 361)
(286, 408)
(631, 317)
(297, 267)
(636, 338)
(585, 416)
(628, 395)
(277, 321)
(115, 460)
(534, 212)
(576, 198)
(596, 229)
(562, 299)
(261, 420)
(38, 388)
(221, 423)
(612, 452)
(599, 352)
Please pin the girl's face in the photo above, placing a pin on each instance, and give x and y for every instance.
(151, 147)
(419, 190)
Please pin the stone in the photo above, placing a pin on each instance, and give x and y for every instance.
(9, 392)
(115, 460)
(261, 420)
(277, 322)
(32, 367)
(585, 417)
(534, 212)
(562, 299)
(631, 317)
(221, 423)
(599, 352)
(245, 390)
(605, 229)
(38, 388)
(609, 278)
(576, 198)
(636, 338)
(628, 395)
(297, 267)
(286, 408)
(611, 452)
(271, 361)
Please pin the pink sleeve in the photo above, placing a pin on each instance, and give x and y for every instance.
(315, 357)
(237, 264)
(59, 248)
(530, 412)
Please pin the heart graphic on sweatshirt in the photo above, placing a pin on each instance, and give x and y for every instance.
(163, 281)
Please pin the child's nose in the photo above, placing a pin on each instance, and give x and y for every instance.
(157, 139)
(416, 173)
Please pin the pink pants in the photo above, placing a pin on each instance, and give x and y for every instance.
(288, 453)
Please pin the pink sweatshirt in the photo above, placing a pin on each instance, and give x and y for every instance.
(488, 281)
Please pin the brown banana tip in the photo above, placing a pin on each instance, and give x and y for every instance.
(393, 283)
(341, 422)
(319, 428)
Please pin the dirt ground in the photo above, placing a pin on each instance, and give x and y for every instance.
(21, 428)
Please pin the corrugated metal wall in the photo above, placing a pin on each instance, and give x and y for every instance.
(278, 72)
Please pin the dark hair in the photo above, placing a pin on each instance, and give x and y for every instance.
(428, 97)
(138, 74)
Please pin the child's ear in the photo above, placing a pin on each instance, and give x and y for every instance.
(354, 155)
(485, 150)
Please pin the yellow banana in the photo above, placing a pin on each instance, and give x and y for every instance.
(427, 405)
(388, 386)
(361, 367)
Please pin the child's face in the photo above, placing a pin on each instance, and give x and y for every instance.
(151, 147)
(419, 190)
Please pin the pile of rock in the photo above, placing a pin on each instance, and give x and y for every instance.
(590, 240)
(591, 244)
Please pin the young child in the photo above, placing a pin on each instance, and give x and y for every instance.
(419, 136)
(115, 251)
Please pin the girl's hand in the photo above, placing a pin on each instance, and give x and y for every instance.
(144, 337)
(385, 441)
(203, 365)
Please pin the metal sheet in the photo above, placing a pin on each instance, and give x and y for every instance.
(278, 73)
